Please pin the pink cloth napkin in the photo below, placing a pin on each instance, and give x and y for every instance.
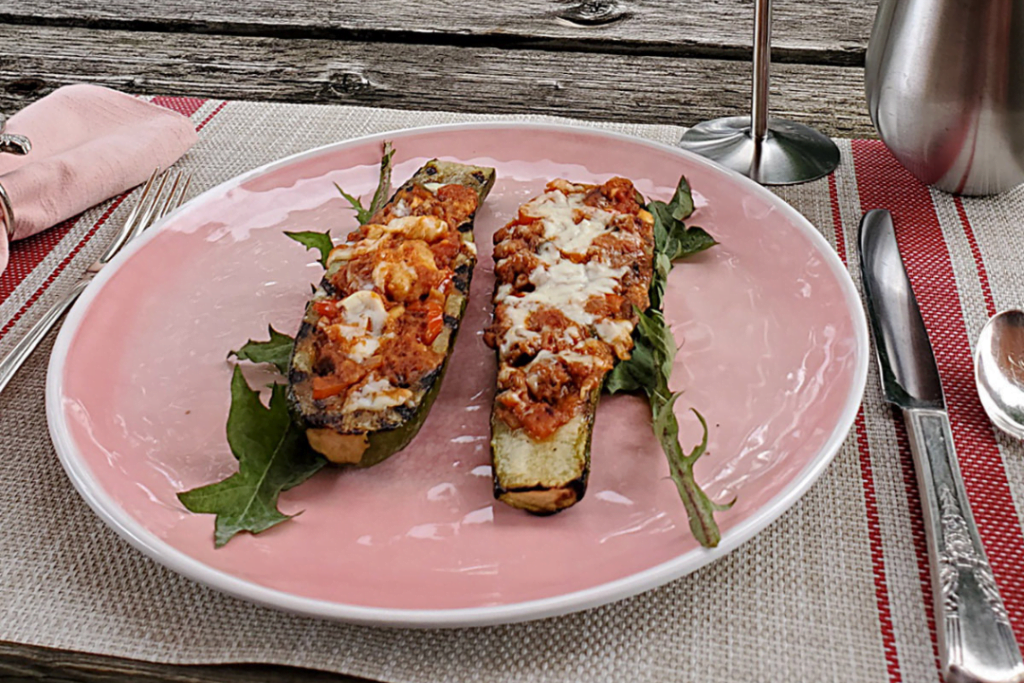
(88, 144)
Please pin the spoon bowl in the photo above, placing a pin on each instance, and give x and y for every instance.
(999, 371)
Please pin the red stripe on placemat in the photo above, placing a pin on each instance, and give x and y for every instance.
(867, 477)
(892, 658)
(187, 106)
(212, 114)
(965, 223)
(28, 253)
(883, 183)
(837, 218)
(61, 266)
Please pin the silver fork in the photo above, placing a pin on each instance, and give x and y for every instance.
(153, 205)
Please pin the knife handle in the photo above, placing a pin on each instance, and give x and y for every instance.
(976, 642)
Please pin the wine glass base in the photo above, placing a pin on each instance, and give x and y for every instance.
(791, 152)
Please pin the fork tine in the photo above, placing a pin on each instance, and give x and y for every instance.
(129, 224)
(147, 215)
(176, 198)
(184, 190)
(170, 198)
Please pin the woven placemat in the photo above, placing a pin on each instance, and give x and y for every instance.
(836, 589)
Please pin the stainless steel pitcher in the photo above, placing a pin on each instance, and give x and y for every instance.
(945, 88)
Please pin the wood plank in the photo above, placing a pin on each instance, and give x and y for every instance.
(652, 89)
(27, 663)
(823, 31)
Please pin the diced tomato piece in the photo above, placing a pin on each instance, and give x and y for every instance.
(326, 308)
(325, 387)
(435, 322)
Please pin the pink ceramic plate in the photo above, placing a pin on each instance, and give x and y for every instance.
(774, 354)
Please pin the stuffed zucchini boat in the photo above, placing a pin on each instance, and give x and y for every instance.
(571, 269)
(373, 346)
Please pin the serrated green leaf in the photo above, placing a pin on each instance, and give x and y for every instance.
(684, 241)
(652, 328)
(362, 214)
(272, 455)
(662, 222)
(681, 205)
(277, 351)
(646, 367)
(659, 279)
(380, 195)
(383, 191)
(654, 348)
(699, 508)
(633, 374)
(321, 241)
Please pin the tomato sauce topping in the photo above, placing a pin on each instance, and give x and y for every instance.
(387, 306)
(572, 268)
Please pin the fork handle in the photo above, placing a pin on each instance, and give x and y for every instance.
(10, 363)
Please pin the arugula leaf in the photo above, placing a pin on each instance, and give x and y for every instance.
(272, 457)
(654, 349)
(272, 452)
(380, 195)
(684, 241)
(656, 333)
(320, 241)
(277, 351)
(362, 214)
(681, 205)
(673, 240)
(699, 508)
(635, 373)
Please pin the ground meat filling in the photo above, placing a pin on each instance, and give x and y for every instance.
(570, 269)
(377, 322)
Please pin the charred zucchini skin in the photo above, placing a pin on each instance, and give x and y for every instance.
(382, 434)
(543, 477)
(382, 443)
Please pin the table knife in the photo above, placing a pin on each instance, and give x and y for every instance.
(976, 642)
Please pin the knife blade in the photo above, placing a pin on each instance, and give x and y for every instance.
(976, 641)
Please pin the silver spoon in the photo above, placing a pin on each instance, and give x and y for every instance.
(999, 371)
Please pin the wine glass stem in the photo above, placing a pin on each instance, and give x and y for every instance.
(762, 62)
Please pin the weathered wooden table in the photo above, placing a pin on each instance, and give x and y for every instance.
(646, 61)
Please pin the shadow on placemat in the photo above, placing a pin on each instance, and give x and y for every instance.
(31, 664)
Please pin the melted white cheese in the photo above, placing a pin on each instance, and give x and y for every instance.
(400, 209)
(362, 321)
(376, 395)
(614, 332)
(562, 285)
(363, 348)
(346, 251)
(558, 213)
(366, 310)
(426, 228)
(570, 227)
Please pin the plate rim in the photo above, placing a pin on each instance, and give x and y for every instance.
(159, 550)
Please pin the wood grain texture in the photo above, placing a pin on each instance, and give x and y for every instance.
(822, 31)
(652, 89)
(26, 663)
